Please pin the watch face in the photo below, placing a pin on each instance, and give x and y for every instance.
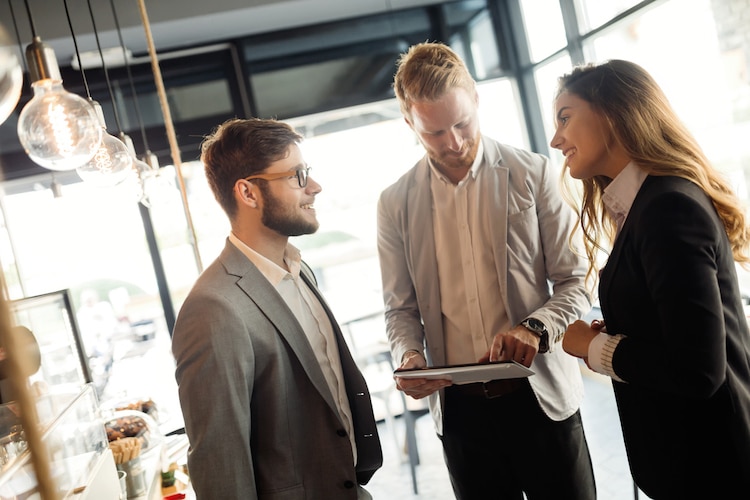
(539, 329)
(535, 325)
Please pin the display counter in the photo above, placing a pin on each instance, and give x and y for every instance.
(83, 440)
(79, 454)
(77, 448)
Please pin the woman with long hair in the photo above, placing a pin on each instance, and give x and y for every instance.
(674, 336)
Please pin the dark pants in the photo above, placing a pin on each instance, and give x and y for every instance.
(501, 448)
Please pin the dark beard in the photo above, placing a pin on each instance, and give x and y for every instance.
(280, 219)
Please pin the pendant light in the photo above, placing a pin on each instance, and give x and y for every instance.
(11, 76)
(145, 168)
(57, 129)
(153, 184)
(112, 163)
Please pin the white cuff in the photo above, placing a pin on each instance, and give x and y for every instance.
(601, 350)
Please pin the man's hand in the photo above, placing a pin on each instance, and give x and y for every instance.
(417, 388)
(519, 344)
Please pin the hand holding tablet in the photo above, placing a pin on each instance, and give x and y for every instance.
(468, 373)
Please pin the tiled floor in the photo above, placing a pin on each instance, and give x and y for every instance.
(613, 480)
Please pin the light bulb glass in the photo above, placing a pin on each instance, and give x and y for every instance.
(161, 188)
(110, 165)
(58, 130)
(144, 173)
(11, 77)
(156, 186)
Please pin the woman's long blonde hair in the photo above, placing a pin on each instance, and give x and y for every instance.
(647, 127)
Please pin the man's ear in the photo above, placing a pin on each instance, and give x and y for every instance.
(246, 193)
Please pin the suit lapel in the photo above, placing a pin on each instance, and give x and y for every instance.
(494, 188)
(369, 453)
(347, 362)
(268, 300)
(422, 255)
(421, 230)
(605, 279)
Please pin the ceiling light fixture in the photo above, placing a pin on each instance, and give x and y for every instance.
(153, 184)
(11, 76)
(57, 129)
(112, 163)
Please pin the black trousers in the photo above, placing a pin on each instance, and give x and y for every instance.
(501, 448)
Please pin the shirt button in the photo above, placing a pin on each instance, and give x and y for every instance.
(341, 432)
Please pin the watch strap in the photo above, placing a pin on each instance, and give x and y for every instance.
(540, 329)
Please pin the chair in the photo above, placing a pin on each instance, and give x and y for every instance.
(410, 423)
(374, 359)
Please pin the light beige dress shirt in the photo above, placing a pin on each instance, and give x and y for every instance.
(471, 303)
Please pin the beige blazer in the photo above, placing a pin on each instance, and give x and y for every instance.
(531, 219)
(260, 418)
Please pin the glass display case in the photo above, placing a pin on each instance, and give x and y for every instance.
(70, 420)
(51, 320)
(76, 443)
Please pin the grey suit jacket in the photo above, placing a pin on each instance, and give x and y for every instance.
(260, 418)
(538, 274)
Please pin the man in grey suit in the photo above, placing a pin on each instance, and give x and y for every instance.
(274, 405)
(476, 266)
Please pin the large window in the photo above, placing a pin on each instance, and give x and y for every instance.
(702, 62)
(90, 241)
(593, 13)
(545, 33)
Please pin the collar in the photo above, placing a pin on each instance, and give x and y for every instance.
(619, 196)
(273, 273)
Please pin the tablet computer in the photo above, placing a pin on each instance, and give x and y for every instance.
(469, 373)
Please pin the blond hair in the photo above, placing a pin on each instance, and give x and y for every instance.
(426, 72)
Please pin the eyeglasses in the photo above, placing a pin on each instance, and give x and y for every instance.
(300, 173)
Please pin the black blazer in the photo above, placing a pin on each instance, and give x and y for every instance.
(670, 286)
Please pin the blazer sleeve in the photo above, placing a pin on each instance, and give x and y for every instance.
(215, 386)
(561, 267)
(665, 294)
(402, 316)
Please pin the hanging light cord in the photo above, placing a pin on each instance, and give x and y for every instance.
(104, 67)
(29, 416)
(171, 136)
(75, 45)
(130, 78)
(31, 19)
(18, 35)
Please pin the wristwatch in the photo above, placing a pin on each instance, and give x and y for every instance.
(537, 327)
